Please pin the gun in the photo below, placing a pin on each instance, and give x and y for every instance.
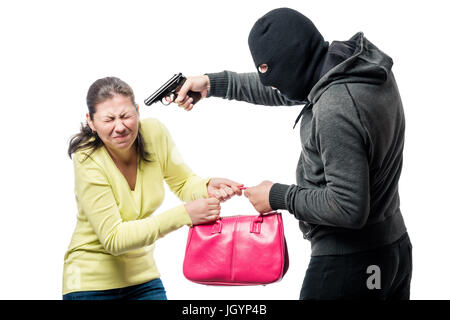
(169, 89)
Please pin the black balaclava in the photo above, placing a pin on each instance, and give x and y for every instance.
(293, 49)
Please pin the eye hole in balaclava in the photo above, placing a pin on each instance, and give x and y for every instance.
(293, 50)
(262, 68)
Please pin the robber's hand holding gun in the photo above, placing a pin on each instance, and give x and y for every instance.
(185, 92)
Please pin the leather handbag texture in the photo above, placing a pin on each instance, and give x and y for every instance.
(237, 250)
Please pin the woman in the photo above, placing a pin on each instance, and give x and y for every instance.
(120, 164)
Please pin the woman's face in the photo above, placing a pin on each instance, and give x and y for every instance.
(116, 122)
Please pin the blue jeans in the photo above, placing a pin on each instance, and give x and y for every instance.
(152, 290)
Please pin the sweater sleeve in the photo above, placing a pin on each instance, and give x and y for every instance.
(185, 184)
(245, 87)
(96, 200)
(344, 200)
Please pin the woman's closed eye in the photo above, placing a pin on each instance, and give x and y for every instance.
(125, 116)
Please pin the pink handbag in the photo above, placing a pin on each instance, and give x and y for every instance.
(237, 251)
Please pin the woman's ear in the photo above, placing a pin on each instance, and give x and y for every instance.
(89, 122)
(137, 108)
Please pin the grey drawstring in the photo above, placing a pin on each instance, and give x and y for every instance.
(306, 107)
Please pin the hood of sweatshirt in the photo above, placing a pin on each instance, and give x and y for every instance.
(368, 64)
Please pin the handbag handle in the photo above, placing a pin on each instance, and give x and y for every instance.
(255, 226)
(217, 227)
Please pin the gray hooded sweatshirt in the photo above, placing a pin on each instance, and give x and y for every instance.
(352, 134)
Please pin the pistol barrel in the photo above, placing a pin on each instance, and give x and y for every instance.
(164, 90)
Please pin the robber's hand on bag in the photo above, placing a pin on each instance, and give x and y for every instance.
(259, 196)
(223, 189)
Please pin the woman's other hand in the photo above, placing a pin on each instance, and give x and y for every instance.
(223, 189)
(203, 210)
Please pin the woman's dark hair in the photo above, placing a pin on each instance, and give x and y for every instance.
(100, 91)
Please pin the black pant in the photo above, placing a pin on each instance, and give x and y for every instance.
(382, 273)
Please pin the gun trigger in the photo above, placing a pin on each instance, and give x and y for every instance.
(164, 101)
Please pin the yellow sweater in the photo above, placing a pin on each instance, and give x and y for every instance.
(112, 245)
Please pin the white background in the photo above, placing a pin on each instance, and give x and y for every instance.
(51, 51)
